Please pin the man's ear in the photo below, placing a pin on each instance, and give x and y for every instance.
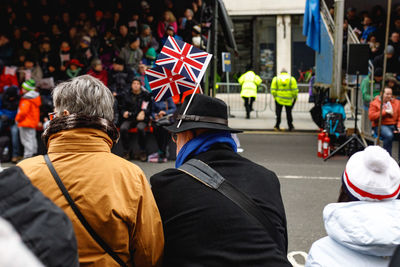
(65, 112)
(183, 138)
(188, 135)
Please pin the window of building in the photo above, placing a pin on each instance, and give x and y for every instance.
(244, 41)
(265, 48)
(256, 41)
(303, 57)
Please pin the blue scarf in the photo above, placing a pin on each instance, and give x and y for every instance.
(203, 143)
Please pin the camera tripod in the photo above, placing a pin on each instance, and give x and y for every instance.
(355, 136)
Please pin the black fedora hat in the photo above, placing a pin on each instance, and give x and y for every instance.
(203, 113)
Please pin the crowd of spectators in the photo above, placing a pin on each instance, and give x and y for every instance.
(53, 41)
(370, 28)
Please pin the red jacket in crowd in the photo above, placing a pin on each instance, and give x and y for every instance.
(162, 27)
(7, 79)
(101, 75)
(387, 119)
(29, 110)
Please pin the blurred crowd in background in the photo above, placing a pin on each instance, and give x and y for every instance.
(53, 41)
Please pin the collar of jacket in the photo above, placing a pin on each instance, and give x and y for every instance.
(79, 131)
(203, 143)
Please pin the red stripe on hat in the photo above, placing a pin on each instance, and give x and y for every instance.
(366, 194)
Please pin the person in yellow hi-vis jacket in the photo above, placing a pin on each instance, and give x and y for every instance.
(285, 91)
(249, 82)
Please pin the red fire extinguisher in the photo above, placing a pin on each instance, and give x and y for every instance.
(325, 146)
(321, 136)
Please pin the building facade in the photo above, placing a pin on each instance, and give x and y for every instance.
(269, 37)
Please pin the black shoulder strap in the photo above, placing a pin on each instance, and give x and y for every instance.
(395, 261)
(78, 214)
(211, 178)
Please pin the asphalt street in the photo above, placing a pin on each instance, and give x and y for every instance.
(307, 182)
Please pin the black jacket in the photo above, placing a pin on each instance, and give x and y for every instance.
(392, 64)
(204, 228)
(10, 99)
(85, 57)
(43, 226)
(136, 103)
(120, 81)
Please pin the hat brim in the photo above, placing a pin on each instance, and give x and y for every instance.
(189, 125)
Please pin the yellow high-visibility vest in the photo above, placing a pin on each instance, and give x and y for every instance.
(284, 89)
(249, 82)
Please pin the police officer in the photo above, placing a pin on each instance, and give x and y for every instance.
(249, 82)
(285, 91)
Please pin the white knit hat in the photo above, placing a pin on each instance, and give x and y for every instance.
(372, 175)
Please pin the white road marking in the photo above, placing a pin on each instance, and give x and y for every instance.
(292, 259)
(308, 177)
(285, 176)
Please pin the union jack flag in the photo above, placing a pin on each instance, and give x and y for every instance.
(183, 58)
(164, 83)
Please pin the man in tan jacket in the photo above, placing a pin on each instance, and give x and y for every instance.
(112, 194)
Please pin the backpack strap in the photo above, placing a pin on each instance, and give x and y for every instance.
(203, 173)
(334, 128)
(80, 216)
(395, 261)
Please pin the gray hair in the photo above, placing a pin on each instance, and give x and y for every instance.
(191, 11)
(84, 95)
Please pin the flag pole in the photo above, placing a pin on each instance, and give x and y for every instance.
(187, 106)
(389, 6)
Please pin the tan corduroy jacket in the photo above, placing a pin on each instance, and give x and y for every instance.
(112, 193)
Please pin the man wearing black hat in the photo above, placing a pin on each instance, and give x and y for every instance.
(206, 226)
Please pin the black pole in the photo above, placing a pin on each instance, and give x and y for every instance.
(389, 9)
(355, 119)
(215, 47)
(206, 80)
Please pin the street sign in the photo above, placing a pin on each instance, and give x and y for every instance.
(226, 62)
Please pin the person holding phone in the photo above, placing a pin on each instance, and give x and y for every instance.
(390, 117)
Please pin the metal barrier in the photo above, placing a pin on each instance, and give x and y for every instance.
(326, 15)
(230, 93)
(351, 36)
(302, 103)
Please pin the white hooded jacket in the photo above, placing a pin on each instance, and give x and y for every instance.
(360, 233)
